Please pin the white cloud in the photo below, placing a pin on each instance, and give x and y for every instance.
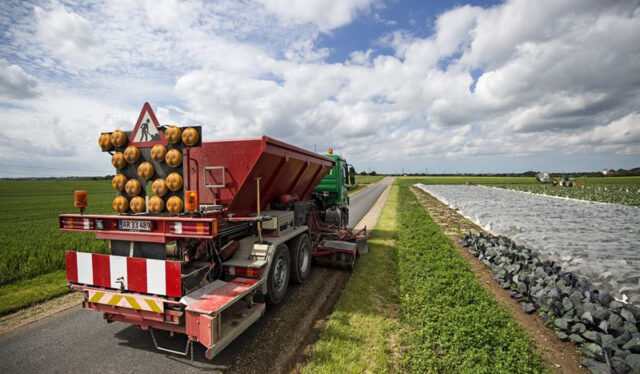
(623, 132)
(15, 83)
(169, 14)
(67, 35)
(515, 79)
(325, 14)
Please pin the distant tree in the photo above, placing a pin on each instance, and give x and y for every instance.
(373, 173)
(363, 173)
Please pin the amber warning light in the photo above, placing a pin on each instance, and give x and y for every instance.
(191, 201)
(80, 200)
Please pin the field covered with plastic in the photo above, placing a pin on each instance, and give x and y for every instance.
(598, 242)
(627, 194)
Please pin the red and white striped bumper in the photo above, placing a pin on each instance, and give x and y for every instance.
(136, 274)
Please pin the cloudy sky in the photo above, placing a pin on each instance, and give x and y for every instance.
(485, 86)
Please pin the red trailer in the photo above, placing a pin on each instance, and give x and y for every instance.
(229, 225)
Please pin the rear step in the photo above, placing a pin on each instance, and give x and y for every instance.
(220, 311)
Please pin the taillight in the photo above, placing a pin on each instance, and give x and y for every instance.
(106, 224)
(240, 271)
(79, 223)
(190, 228)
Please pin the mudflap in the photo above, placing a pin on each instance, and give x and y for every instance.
(363, 247)
(339, 253)
(360, 237)
(220, 311)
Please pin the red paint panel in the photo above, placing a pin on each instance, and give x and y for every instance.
(245, 281)
(101, 270)
(222, 296)
(173, 279)
(136, 274)
(246, 159)
(71, 263)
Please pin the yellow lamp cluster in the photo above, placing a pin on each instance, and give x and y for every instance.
(158, 152)
(190, 137)
(118, 161)
(174, 181)
(118, 182)
(137, 204)
(105, 142)
(173, 134)
(159, 187)
(156, 204)
(132, 154)
(146, 170)
(120, 204)
(175, 204)
(174, 158)
(133, 187)
(118, 138)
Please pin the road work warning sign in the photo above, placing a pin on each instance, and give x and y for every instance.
(147, 131)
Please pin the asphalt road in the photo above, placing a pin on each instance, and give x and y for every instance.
(80, 341)
(363, 200)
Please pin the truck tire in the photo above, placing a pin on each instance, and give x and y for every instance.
(301, 264)
(279, 274)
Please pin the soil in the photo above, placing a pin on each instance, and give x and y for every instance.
(37, 312)
(281, 342)
(557, 356)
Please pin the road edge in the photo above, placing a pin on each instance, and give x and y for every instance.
(298, 358)
(35, 313)
(369, 185)
(369, 220)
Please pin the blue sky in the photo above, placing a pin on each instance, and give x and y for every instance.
(504, 86)
(364, 32)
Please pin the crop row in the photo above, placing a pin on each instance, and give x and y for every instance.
(31, 242)
(454, 325)
(626, 194)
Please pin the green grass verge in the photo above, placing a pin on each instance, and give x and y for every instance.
(454, 325)
(368, 179)
(357, 336)
(28, 292)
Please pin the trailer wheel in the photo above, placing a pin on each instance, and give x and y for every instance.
(301, 265)
(279, 274)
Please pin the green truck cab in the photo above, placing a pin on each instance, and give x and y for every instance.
(332, 193)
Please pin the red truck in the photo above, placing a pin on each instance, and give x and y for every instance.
(206, 232)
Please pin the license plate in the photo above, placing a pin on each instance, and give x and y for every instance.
(134, 225)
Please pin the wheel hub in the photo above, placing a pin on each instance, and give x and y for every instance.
(304, 258)
(280, 274)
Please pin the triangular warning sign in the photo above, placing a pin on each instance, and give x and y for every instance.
(147, 131)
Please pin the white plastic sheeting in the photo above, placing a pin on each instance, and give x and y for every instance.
(597, 241)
